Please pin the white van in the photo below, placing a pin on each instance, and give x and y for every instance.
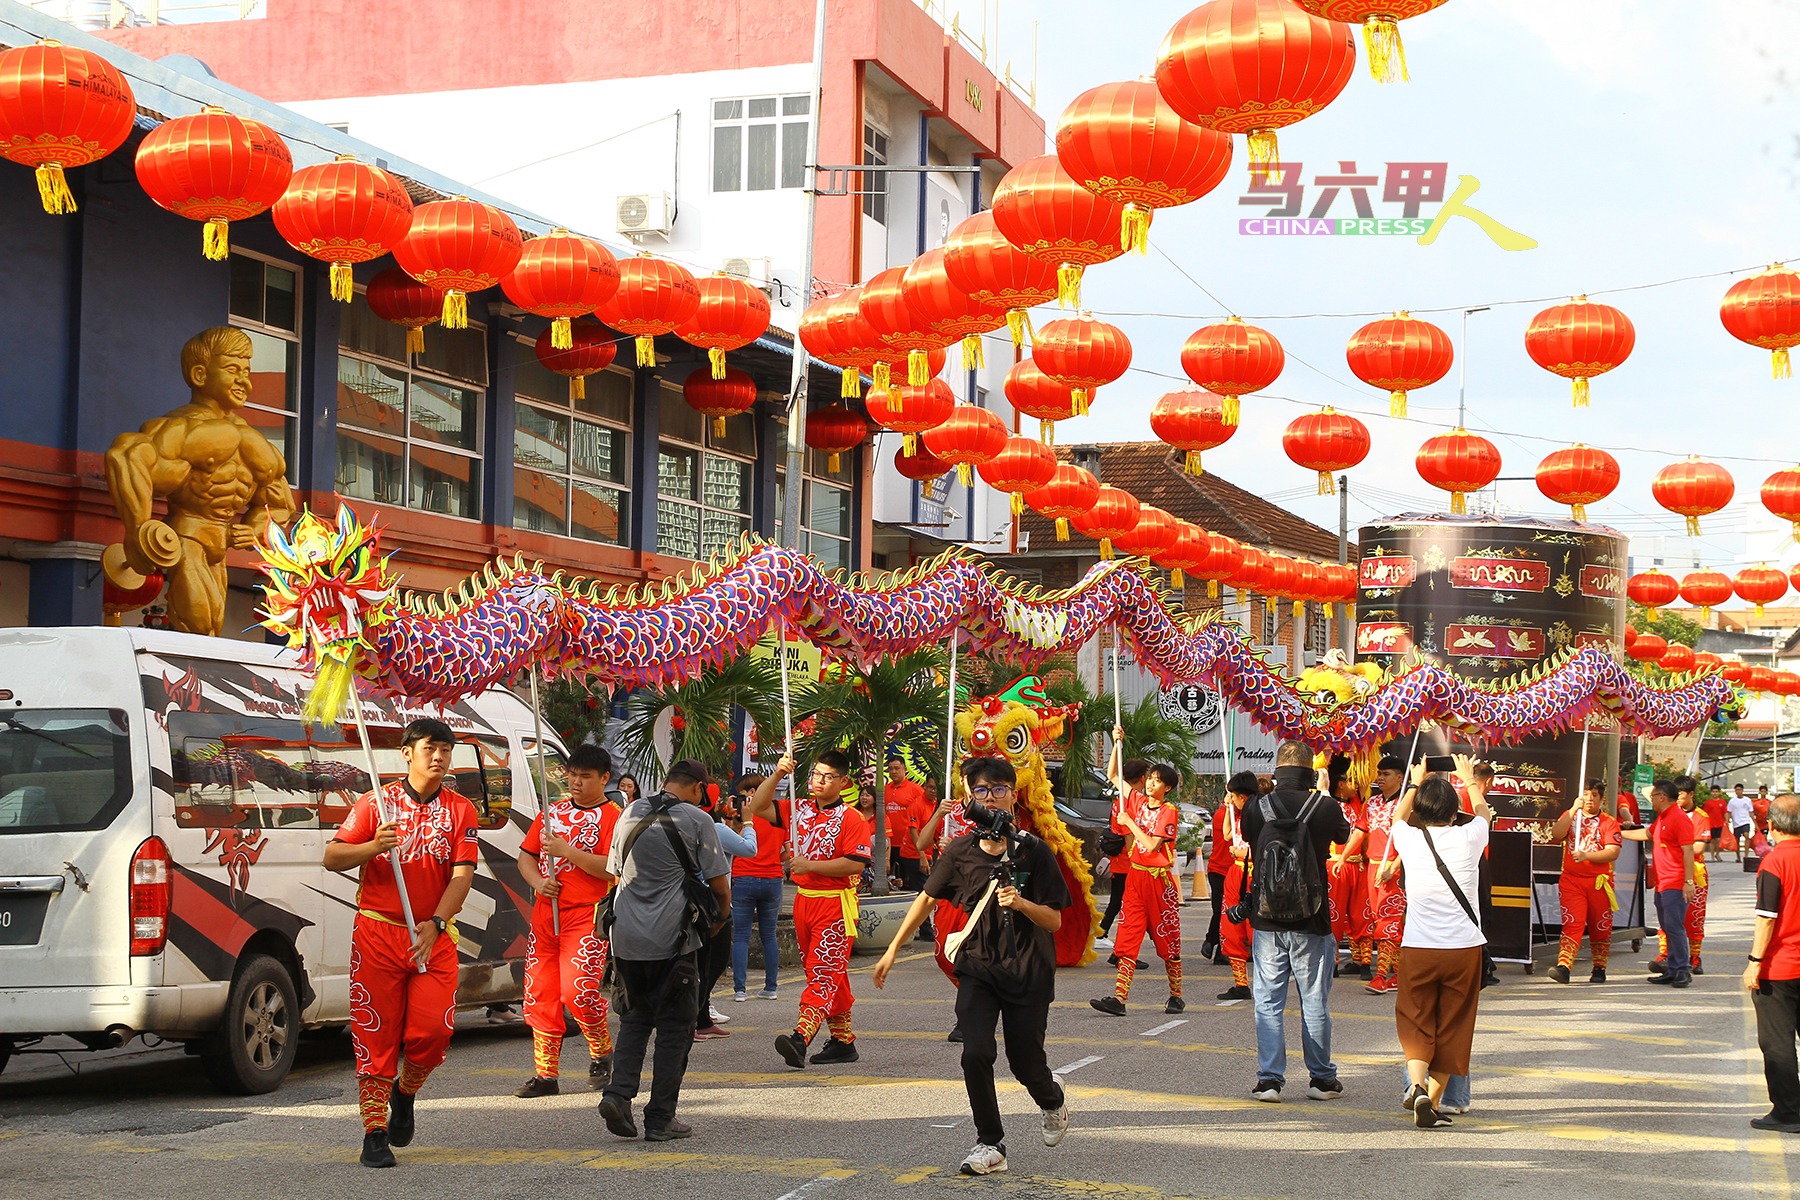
(163, 813)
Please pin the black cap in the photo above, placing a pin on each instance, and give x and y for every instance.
(690, 768)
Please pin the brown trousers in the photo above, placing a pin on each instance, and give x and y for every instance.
(1435, 1008)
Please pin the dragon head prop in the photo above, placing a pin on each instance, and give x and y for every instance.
(1012, 723)
(328, 588)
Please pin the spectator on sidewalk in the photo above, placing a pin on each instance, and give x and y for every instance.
(1671, 836)
(1773, 975)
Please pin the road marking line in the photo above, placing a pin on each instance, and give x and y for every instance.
(1080, 1063)
(814, 1186)
(951, 1125)
(1232, 1004)
(916, 1174)
(1163, 1028)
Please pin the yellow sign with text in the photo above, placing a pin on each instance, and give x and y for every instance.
(804, 660)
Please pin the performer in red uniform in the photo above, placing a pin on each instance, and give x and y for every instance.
(1352, 922)
(904, 801)
(563, 858)
(1387, 891)
(396, 1011)
(830, 844)
(1234, 887)
(1591, 841)
(1152, 891)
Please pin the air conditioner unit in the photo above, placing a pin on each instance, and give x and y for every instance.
(755, 270)
(653, 212)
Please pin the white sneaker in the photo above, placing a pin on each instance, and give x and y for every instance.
(718, 1018)
(1103, 943)
(1453, 1109)
(1056, 1120)
(739, 997)
(984, 1160)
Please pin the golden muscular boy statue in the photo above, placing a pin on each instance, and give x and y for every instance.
(223, 480)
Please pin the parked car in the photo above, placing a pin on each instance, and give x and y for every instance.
(163, 813)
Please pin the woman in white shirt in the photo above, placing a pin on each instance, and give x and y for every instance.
(1440, 949)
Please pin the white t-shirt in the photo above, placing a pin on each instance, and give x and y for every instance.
(1739, 811)
(1434, 919)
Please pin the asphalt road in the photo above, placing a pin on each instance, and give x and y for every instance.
(1578, 1091)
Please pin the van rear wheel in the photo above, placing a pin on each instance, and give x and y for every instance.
(255, 1045)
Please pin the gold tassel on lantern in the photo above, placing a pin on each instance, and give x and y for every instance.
(896, 399)
(833, 463)
(1243, 595)
(1581, 392)
(1397, 405)
(578, 387)
(850, 384)
(456, 310)
(1212, 589)
(1047, 432)
(909, 446)
(415, 340)
(1299, 611)
(1579, 512)
(53, 190)
(718, 427)
(1459, 504)
(882, 376)
(1175, 578)
(1265, 155)
(973, 356)
(918, 368)
(1078, 400)
(1328, 610)
(1193, 463)
(964, 475)
(343, 283)
(1327, 486)
(1229, 410)
(1783, 367)
(215, 239)
(1062, 529)
(716, 356)
(1015, 325)
(646, 350)
(1068, 285)
(1693, 526)
(1106, 549)
(1018, 504)
(1134, 229)
(1382, 36)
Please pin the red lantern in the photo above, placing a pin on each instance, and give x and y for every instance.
(1781, 496)
(1677, 658)
(1631, 636)
(892, 365)
(1759, 679)
(1042, 210)
(343, 213)
(1327, 441)
(1380, 25)
(1647, 647)
(884, 306)
(1023, 465)
(1252, 67)
(1224, 561)
(561, 277)
(1734, 672)
(921, 466)
(1579, 340)
(1652, 589)
(1764, 310)
(1232, 359)
(731, 315)
(820, 337)
(1115, 513)
(1035, 394)
(996, 273)
(216, 168)
(459, 246)
(399, 299)
(1707, 662)
(834, 430)
(1083, 353)
(1785, 683)
(1705, 590)
(946, 309)
(720, 398)
(1577, 476)
(1693, 489)
(1124, 143)
(1759, 585)
(1069, 495)
(655, 297)
(1399, 354)
(1247, 576)
(966, 438)
(1794, 578)
(853, 340)
(1191, 550)
(914, 411)
(61, 107)
(593, 350)
(115, 599)
(1459, 462)
(1192, 421)
(1155, 532)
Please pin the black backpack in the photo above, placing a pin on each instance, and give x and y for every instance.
(1290, 885)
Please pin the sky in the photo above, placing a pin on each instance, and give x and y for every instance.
(1637, 141)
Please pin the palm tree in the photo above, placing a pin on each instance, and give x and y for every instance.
(853, 712)
(704, 707)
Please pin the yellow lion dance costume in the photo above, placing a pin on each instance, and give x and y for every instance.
(1012, 725)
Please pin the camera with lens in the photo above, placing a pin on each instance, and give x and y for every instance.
(998, 825)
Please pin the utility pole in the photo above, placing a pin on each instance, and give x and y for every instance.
(1462, 368)
(1346, 626)
(796, 434)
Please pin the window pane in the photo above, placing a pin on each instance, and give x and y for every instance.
(445, 413)
(444, 483)
(817, 462)
(599, 452)
(676, 471)
(728, 110)
(458, 353)
(540, 501)
(827, 510)
(721, 530)
(796, 106)
(361, 330)
(727, 484)
(246, 288)
(532, 378)
(370, 468)
(793, 154)
(600, 513)
(762, 106)
(608, 397)
(280, 307)
(371, 397)
(282, 430)
(678, 418)
(831, 552)
(728, 158)
(740, 436)
(677, 529)
(540, 439)
(274, 371)
(760, 176)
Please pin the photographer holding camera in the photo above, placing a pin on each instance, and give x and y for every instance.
(1005, 957)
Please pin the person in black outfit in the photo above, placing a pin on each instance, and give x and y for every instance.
(1006, 966)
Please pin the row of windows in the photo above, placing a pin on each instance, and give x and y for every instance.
(410, 432)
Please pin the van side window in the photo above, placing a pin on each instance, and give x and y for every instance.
(241, 772)
(497, 771)
(340, 764)
(62, 769)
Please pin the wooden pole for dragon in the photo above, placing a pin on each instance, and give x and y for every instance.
(362, 733)
(543, 794)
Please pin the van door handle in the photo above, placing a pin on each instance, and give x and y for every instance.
(16, 884)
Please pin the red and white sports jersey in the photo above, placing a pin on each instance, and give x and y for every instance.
(435, 838)
(822, 834)
(588, 829)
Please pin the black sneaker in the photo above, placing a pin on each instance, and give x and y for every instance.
(1324, 1089)
(1659, 966)
(1236, 991)
(401, 1119)
(672, 1132)
(1208, 949)
(1414, 1093)
(1774, 1124)
(599, 1072)
(1110, 1005)
(1176, 1004)
(616, 1112)
(1267, 1090)
(792, 1048)
(1681, 981)
(1559, 974)
(1598, 975)
(537, 1086)
(835, 1051)
(1427, 1117)
(955, 1033)
(1365, 971)
(375, 1152)
(1696, 967)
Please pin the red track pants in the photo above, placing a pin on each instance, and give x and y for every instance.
(395, 1011)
